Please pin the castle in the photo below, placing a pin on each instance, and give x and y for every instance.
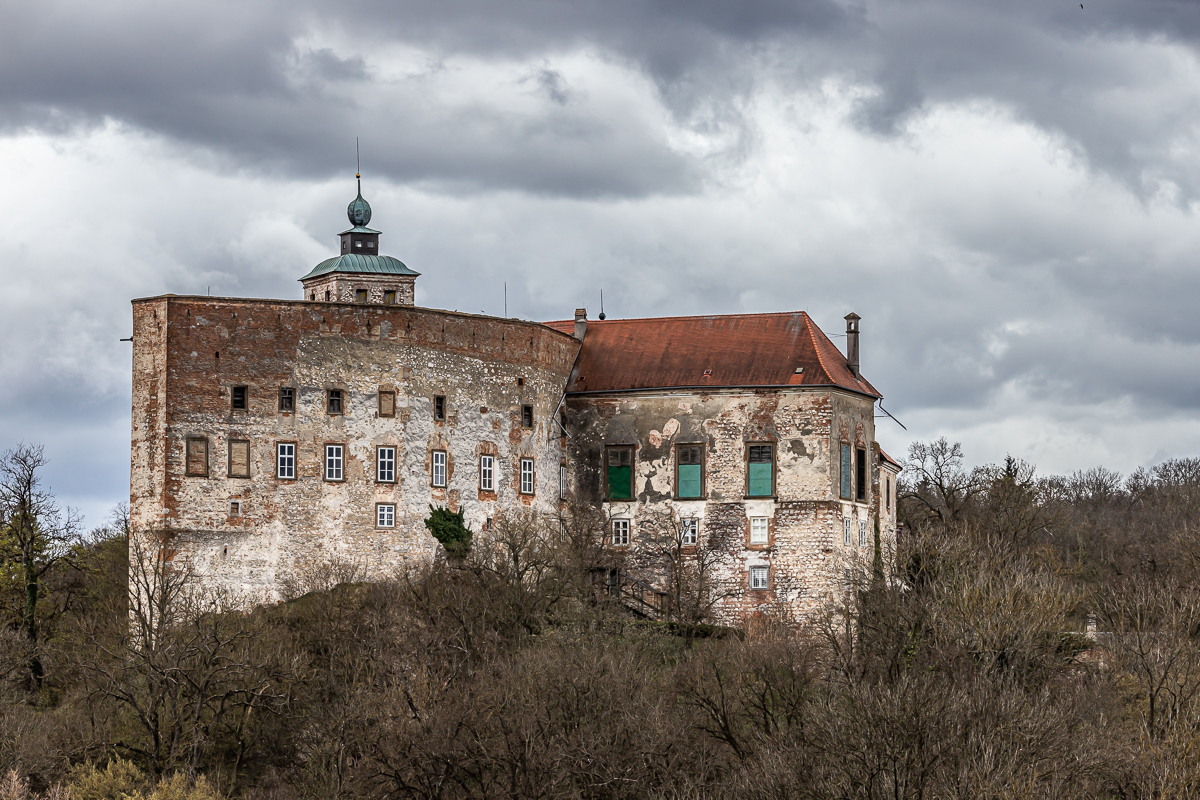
(271, 434)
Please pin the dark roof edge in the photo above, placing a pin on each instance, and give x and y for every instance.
(365, 306)
(687, 316)
(729, 388)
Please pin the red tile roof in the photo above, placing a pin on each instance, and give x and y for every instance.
(735, 350)
(889, 460)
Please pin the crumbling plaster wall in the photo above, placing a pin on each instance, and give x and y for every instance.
(806, 551)
(485, 368)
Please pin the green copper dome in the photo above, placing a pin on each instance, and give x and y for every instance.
(359, 210)
(370, 265)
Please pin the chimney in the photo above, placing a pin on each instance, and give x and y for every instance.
(580, 323)
(852, 342)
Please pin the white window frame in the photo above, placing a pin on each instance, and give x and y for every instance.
(691, 532)
(487, 473)
(385, 465)
(620, 532)
(562, 481)
(235, 508)
(760, 576)
(760, 530)
(846, 531)
(862, 533)
(285, 460)
(437, 469)
(527, 476)
(335, 462)
(385, 515)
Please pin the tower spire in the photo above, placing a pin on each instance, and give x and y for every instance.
(359, 211)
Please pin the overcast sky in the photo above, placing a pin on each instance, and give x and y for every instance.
(1007, 193)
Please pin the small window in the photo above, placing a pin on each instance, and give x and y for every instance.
(196, 457)
(562, 481)
(360, 295)
(334, 462)
(860, 475)
(370, 245)
(439, 407)
(239, 458)
(326, 295)
(385, 515)
(439, 468)
(487, 525)
(526, 416)
(358, 244)
(760, 577)
(487, 474)
(285, 461)
(887, 494)
(760, 478)
(526, 476)
(387, 404)
(333, 402)
(385, 465)
(862, 533)
(287, 400)
(846, 531)
(619, 473)
(389, 298)
(238, 396)
(689, 481)
(845, 470)
(620, 532)
(690, 533)
(235, 508)
(345, 245)
(759, 531)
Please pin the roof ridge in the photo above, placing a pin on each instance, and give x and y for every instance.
(817, 349)
(690, 316)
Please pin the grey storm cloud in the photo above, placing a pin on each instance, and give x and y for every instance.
(232, 77)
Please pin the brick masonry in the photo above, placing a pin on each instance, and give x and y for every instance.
(190, 352)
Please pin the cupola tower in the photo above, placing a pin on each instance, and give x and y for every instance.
(359, 273)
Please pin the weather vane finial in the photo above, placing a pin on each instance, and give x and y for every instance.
(357, 165)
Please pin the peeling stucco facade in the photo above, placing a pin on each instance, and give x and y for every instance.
(806, 552)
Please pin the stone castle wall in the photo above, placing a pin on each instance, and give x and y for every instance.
(806, 550)
(189, 354)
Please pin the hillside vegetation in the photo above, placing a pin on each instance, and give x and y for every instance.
(965, 673)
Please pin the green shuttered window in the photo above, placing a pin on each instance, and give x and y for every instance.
(761, 468)
(689, 483)
(620, 473)
(845, 492)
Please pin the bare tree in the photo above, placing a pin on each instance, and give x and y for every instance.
(686, 568)
(35, 535)
(188, 667)
(937, 481)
